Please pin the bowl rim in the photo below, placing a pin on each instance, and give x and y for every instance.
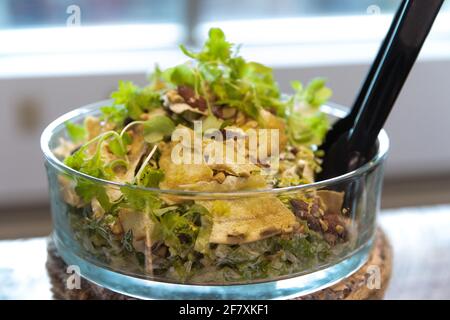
(330, 108)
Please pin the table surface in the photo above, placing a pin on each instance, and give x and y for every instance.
(420, 238)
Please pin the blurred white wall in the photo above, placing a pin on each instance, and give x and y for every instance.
(419, 126)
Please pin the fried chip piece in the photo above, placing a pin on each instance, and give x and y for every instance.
(183, 107)
(68, 193)
(247, 220)
(238, 170)
(332, 200)
(93, 127)
(231, 183)
(273, 122)
(180, 174)
(64, 149)
(137, 222)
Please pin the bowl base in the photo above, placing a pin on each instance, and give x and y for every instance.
(366, 275)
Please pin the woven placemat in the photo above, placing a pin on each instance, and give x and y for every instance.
(369, 282)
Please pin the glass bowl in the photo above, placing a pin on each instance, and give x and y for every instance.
(329, 239)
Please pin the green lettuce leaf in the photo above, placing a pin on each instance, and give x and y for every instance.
(114, 114)
(77, 133)
(307, 125)
(307, 129)
(156, 128)
(150, 177)
(181, 75)
(216, 48)
(314, 95)
(135, 99)
(88, 190)
(140, 200)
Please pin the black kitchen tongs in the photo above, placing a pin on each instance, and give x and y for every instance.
(351, 141)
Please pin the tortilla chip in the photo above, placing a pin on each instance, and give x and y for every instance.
(68, 193)
(180, 174)
(239, 170)
(137, 222)
(230, 183)
(332, 200)
(273, 122)
(247, 220)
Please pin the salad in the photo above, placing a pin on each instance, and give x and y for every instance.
(135, 226)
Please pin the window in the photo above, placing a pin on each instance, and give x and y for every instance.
(217, 10)
(52, 13)
(41, 26)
